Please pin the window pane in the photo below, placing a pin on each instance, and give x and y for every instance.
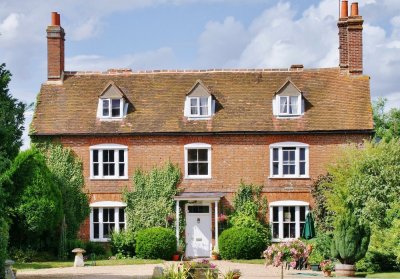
(302, 213)
(275, 155)
(95, 215)
(203, 102)
(192, 169)
(121, 171)
(111, 215)
(116, 110)
(105, 155)
(193, 110)
(283, 101)
(286, 169)
(293, 105)
(121, 215)
(106, 107)
(95, 155)
(275, 230)
(203, 155)
(292, 155)
(286, 230)
(112, 169)
(193, 102)
(203, 110)
(121, 157)
(286, 214)
(292, 230)
(285, 155)
(192, 155)
(96, 230)
(292, 169)
(106, 170)
(292, 213)
(203, 168)
(302, 168)
(96, 169)
(275, 168)
(198, 209)
(301, 227)
(105, 214)
(111, 156)
(121, 227)
(275, 214)
(302, 154)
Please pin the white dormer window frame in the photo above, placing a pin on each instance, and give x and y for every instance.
(289, 105)
(111, 108)
(109, 162)
(289, 160)
(199, 107)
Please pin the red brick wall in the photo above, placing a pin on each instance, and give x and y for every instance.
(235, 158)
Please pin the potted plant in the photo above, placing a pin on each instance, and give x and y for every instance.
(350, 243)
(232, 274)
(326, 267)
(201, 269)
(314, 260)
(215, 254)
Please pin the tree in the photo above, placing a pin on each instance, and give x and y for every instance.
(151, 200)
(67, 170)
(387, 124)
(11, 121)
(33, 201)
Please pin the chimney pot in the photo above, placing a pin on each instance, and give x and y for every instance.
(344, 12)
(354, 9)
(58, 20)
(54, 18)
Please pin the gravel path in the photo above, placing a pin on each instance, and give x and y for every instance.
(249, 271)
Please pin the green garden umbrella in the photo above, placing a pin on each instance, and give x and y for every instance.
(308, 229)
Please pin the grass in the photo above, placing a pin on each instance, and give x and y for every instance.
(254, 261)
(384, 275)
(54, 264)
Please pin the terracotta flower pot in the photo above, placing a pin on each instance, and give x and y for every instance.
(344, 270)
(214, 257)
(327, 273)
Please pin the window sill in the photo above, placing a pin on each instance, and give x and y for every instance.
(100, 240)
(205, 177)
(199, 118)
(111, 119)
(282, 239)
(289, 177)
(109, 178)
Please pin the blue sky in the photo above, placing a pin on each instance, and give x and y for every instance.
(193, 34)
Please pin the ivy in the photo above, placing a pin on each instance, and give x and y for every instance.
(323, 216)
(151, 200)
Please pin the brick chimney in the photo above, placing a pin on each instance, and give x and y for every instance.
(350, 39)
(55, 49)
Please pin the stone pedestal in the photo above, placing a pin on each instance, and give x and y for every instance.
(8, 269)
(79, 262)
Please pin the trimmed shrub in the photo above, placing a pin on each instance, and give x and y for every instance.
(241, 243)
(156, 243)
(123, 244)
(244, 221)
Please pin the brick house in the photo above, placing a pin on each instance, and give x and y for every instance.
(273, 127)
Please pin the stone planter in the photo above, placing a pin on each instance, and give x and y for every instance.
(344, 270)
(315, 267)
(200, 273)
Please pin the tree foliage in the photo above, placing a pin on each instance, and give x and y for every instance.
(323, 216)
(367, 181)
(11, 121)
(387, 124)
(67, 170)
(350, 239)
(33, 200)
(151, 200)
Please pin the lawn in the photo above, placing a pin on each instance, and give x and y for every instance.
(255, 261)
(384, 275)
(39, 265)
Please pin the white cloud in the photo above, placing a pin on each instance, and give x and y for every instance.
(9, 26)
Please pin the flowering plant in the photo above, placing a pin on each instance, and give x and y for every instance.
(199, 264)
(326, 265)
(290, 251)
(222, 218)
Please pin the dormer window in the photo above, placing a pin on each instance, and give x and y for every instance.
(112, 104)
(199, 103)
(288, 101)
(112, 108)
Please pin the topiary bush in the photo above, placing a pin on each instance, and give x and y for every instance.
(350, 239)
(123, 244)
(156, 243)
(241, 243)
(244, 221)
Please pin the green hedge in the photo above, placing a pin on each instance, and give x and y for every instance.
(123, 244)
(156, 243)
(241, 243)
(3, 244)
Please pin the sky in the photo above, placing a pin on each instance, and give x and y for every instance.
(194, 34)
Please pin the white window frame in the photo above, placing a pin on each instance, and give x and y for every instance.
(122, 110)
(116, 148)
(100, 206)
(280, 147)
(277, 106)
(280, 205)
(197, 146)
(188, 111)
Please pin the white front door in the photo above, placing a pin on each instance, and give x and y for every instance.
(198, 230)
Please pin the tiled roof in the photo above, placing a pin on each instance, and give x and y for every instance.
(334, 102)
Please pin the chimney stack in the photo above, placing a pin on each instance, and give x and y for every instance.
(350, 39)
(55, 49)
